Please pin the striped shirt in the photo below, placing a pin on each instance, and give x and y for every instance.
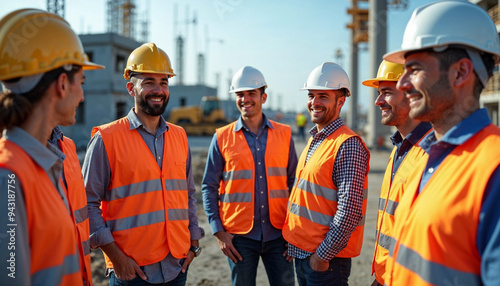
(349, 171)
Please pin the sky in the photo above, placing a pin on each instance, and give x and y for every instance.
(284, 39)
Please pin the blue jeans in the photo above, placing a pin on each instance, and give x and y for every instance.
(279, 271)
(180, 280)
(337, 274)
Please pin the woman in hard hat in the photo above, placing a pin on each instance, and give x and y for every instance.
(41, 71)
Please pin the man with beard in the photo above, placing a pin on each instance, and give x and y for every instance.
(325, 216)
(395, 109)
(139, 183)
(248, 176)
(447, 225)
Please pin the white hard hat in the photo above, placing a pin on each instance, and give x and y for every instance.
(328, 76)
(247, 78)
(438, 25)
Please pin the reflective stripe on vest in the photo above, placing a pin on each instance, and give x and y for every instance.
(77, 198)
(313, 202)
(51, 232)
(390, 193)
(237, 186)
(146, 207)
(436, 230)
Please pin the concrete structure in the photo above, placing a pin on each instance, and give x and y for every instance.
(490, 98)
(106, 97)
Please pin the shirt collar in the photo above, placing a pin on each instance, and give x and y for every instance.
(56, 135)
(266, 122)
(461, 132)
(329, 129)
(414, 136)
(44, 156)
(135, 122)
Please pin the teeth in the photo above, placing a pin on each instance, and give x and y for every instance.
(156, 99)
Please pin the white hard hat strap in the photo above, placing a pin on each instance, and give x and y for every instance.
(479, 67)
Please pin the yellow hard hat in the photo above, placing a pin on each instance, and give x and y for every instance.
(387, 71)
(33, 41)
(148, 59)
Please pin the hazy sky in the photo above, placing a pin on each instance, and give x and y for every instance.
(284, 39)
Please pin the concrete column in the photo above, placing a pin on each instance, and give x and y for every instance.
(377, 35)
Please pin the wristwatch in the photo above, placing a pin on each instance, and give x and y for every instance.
(196, 250)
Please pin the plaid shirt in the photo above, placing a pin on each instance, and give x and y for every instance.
(350, 168)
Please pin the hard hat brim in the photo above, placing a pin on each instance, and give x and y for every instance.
(246, 89)
(375, 82)
(397, 56)
(320, 88)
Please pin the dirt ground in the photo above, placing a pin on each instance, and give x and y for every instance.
(211, 268)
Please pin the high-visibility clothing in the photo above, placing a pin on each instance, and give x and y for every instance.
(77, 197)
(146, 207)
(313, 202)
(435, 230)
(237, 187)
(54, 258)
(390, 194)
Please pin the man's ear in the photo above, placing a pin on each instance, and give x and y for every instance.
(130, 88)
(462, 71)
(62, 83)
(264, 97)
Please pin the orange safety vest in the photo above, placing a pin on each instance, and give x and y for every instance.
(77, 198)
(237, 189)
(51, 230)
(313, 202)
(390, 194)
(146, 208)
(436, 230)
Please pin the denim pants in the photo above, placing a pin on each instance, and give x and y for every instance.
(180, 280)
(279, 271)
(337, 274)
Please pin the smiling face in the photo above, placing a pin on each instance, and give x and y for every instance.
(150, 92)
(426, 87)
(249, 102)
(393, 104)
(324, 106)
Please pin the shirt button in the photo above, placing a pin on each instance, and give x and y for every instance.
(258, 149)
(260, 177)
(159, 157)
(431, 170)
(259, 163)
(263, 221)
(261, 193)
(262, 206)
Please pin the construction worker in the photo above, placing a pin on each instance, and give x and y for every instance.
(301, 121)
(249, 172)
(41, 70)
(325, 215)
(447, 226)
(140, 189)
(75, 192)
(395, 109)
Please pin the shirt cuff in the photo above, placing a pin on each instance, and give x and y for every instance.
(216, 226)
(101, 237)
(196, 232)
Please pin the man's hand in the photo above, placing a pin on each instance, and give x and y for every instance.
(187, 261)
(125, 267)
(225, 240)
(318, 264)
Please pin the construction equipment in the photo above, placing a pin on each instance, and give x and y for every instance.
(199, 120)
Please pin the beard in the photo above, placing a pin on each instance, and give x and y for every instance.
(153, 110)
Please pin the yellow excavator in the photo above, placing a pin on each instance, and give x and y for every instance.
(199, 120)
